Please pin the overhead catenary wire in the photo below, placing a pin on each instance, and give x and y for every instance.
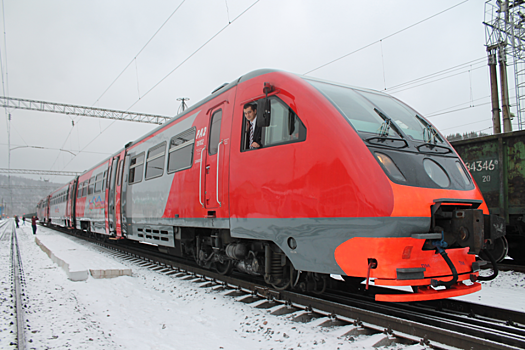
(138, 53)
(167, 75)
(386, 37)
(433, 81)
(436, 74)
(194, 53)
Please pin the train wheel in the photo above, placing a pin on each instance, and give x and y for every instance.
(224, 268)
(500, 250)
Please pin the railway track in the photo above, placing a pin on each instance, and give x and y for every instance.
(14, 300)
(439, 324)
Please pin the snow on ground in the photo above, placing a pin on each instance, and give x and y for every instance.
(149, 310)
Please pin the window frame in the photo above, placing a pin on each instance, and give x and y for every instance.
(104, 178)
(98, 183)
(179, 147)
(91, 186)
(157, 156)
(212, 129)
(246, 123)
(84, 188)
(133, 166)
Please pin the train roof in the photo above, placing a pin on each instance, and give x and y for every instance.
(223, 88)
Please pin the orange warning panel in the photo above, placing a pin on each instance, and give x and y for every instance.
(428, 293)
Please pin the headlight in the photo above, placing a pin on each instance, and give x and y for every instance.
(436, 173)
(463, 173)
(390, 167)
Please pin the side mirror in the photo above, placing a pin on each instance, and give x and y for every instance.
(265, 118)
(267, 88)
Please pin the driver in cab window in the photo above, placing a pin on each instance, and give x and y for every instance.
(254, 135)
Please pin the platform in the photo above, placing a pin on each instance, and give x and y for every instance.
(78, 261)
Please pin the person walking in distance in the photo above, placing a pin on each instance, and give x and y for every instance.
(16, 220)
(33, 223)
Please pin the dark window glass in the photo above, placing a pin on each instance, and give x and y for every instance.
(215, 132)
(155, 161)
(136, 167)
(284, 127)
(181, 151)
(98, 183)
(85, 188)
(91, 187)
(79, 190)
(120, 171)
(104, 180)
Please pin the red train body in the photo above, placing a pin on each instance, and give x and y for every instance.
(348, 181)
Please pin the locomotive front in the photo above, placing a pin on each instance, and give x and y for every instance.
(448, 221)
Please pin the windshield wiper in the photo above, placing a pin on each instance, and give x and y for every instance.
(430, 134)
(387, 124)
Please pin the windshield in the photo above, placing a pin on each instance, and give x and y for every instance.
(358, 106)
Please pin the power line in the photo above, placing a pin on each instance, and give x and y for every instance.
(386, 37)
(442, 72)
(195, 52)
(458, 126)
(138, 53)
(177, 67)
(433, 81)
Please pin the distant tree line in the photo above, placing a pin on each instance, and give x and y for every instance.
(465, 136)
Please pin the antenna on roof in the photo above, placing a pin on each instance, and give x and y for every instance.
(183, 104)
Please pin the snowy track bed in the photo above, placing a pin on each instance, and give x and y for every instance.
(7, 302)
(152, 310)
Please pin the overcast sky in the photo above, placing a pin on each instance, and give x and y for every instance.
(71, 51)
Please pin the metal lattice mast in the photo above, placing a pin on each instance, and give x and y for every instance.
(52, 107)
(505, 34)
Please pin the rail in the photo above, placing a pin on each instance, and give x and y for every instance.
(438, 329)
(16, 266)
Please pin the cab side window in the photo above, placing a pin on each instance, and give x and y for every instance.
(284, 125)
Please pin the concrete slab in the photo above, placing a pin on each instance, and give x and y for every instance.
(77, 260)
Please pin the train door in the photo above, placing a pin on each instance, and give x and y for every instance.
(111, 194)
(73, 201)
(216, 160)
(117, 195)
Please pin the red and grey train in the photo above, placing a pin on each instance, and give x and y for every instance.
(348, 181)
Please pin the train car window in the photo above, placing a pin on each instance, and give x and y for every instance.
(136, 167)
(85, 188)
(98, 183)
(181, 151)
(155, 161)
(91, 186)
(120, 172)
(215, 132)
(104, 180)
(285, 126)
(79, 190)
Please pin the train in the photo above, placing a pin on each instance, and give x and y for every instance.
(497, 163)
(347, 181)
